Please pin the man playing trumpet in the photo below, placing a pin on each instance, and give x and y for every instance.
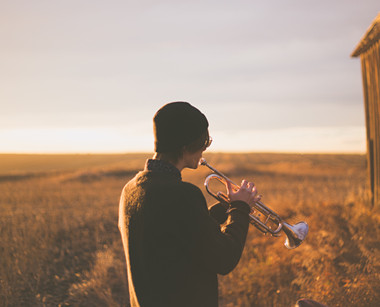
(174, 245)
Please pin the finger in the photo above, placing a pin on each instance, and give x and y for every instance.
(254, 197)
(257, 198)
(230, 189)
(244, 184)
(250, 186)
(254, 191)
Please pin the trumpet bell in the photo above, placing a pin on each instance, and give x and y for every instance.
(295, 234)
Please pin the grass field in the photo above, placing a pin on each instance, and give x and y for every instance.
(60, 244)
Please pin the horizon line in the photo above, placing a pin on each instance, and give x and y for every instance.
(211, 152)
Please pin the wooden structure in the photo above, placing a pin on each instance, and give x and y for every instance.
(369, 51)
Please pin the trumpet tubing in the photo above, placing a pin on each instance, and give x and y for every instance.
(262, 217)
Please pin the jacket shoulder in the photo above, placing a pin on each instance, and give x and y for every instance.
(191, 188)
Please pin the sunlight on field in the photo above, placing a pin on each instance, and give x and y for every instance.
(60, 243)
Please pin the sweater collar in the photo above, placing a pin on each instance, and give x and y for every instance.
(156, 165)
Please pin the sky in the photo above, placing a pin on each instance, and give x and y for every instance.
(87, 76)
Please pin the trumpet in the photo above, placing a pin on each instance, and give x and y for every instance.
(263, 218)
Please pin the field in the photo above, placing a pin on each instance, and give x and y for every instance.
(60, 244)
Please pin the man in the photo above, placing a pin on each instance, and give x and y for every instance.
(174, 245)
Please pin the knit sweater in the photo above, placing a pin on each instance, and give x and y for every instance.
(174, 246)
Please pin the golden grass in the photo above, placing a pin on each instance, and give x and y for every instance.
(60, 244)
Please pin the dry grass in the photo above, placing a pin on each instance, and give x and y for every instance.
(60, 243)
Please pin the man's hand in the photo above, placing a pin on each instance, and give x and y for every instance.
(247, 192)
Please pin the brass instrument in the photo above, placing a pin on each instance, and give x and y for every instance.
(263, 218)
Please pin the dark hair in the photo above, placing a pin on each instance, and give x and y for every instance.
(173, 156)
(177, 124)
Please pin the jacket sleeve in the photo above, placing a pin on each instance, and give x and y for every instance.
(218, 211)
(215, 248)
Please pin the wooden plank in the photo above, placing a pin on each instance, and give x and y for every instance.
(374, 100)
(376, 68)
(368, 124)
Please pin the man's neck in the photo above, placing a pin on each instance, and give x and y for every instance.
(180, 165)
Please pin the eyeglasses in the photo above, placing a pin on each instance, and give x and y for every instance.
(208, 143)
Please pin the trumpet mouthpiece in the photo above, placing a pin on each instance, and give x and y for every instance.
(202, 161)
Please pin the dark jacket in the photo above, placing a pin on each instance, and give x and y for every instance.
(174, 249)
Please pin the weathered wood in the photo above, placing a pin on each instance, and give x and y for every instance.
(370, 37)
(369, 51)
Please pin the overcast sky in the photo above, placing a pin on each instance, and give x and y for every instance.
(88, 75)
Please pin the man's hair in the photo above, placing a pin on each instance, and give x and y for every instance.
(177, 124)
(173, 156)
